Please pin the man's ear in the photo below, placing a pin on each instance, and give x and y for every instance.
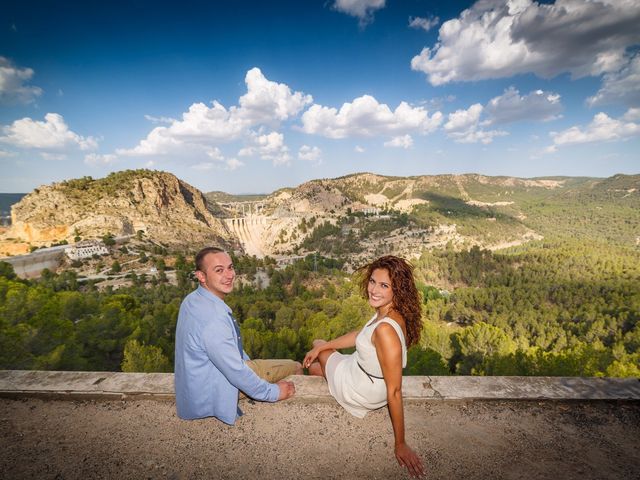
(200, 276)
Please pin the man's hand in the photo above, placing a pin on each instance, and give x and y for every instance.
(287, 390)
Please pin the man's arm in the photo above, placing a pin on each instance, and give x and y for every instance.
(222, 349)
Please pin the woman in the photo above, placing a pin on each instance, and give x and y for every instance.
(372, 376)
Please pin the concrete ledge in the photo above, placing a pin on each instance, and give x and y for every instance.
(113, 385)
(86, 385)
(521, 388)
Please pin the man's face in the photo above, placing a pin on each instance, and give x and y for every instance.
(217, 274)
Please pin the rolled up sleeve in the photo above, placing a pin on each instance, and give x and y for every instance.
(221, 347)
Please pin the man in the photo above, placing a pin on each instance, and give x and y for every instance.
(210, 364)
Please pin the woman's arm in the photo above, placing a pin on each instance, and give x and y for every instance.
(345, 341)
(389, 351)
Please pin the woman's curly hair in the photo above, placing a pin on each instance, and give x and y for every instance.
(406, 300)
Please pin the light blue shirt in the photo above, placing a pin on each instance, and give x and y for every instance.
(209, 369)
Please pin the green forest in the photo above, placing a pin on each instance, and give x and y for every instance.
(558, 307)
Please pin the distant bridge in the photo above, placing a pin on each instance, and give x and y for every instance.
(244, 209)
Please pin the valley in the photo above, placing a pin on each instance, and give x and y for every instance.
(518, 276)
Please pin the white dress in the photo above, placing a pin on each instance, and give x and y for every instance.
(356, 391)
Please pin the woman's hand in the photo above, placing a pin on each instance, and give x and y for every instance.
(310, 357)
(408, 458)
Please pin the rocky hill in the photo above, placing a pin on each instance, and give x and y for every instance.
(165, 208)
(365, 214)
(359, 215)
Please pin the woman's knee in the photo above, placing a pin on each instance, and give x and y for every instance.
(316, 370)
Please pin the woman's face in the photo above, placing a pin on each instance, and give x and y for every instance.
(379, 289)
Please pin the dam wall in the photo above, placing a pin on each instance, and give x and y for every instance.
(30, 266)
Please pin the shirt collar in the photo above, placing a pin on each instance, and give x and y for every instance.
(217, 300)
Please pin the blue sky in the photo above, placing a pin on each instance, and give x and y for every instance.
(248, 97)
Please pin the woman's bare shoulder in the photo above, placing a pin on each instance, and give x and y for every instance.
(396, 317)
(385, 334)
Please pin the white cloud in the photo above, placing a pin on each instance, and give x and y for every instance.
(463, 126)
(156, 120)
(632, 115)
(474, 136)
(12, 84)
(53, 156)
(424, 23)
(203, 166)
(52, 134)
(498, 38)
(511, 107)
(601, 129)
(5, 154)
(366, 117)
(363, 9)
(621, 87)
(160, 141)
(219, 161)
(404, 141)
(310, 154)
(233, 163)
(228, 164)
(268, 147)
(202, 127)
(215, 154)
(95, 159)
(359, 149)
(464, 119)
(202, 124)
(267, 101)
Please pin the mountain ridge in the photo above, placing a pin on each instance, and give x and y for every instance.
(365, 208)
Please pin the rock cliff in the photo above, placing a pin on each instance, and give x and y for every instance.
(165, 208)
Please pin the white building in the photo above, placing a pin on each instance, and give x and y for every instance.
(86, 249)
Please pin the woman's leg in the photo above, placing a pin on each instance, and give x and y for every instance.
(317, 367)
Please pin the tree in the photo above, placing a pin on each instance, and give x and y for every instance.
(425, 362)
(108, 240)
(621, 369)
(437, 337)
(6, 271)
(144, 358)
(115, 267)
(477, 342)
